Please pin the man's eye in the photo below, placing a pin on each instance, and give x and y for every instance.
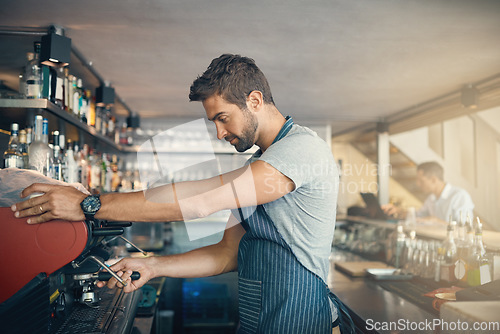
(223, 119)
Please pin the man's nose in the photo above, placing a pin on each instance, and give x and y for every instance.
(221, 132)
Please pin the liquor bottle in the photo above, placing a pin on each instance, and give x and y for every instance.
(462, 251)
(123, 134)
(479, 268)
(102, 165)
(448, 252)
(67, 81)
(70, 163)
(127, 180)
(469, 230)
(62, 155)
(39, 150)
(130, 136)
(136, 183)
(59, 99)
(45, 132)
(76, 97)
(91, 108)
(52, 73)
(106, 174)
(23, 148)
(106, 115)
(33, 74)
(116, 177)
(98, 119)
(400, 243)
(83, 167)
(84, 109)
(111, 126)
(411, 223)
(12, 156)
(29, 136)
(62, 143)
(79, 99)
(71, 90)
(56, 170)
(95, 172)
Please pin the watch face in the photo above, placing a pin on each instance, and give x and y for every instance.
(91, 204)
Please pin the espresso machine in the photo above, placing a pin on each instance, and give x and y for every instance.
(48, 276)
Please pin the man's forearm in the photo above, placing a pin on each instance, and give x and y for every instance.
(158, 204)
(201, 262)
(134, 207)
(206, 261)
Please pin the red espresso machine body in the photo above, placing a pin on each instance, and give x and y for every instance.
(28, 250)
(48, 276)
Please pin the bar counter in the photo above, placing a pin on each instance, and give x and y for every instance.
(372, 307)
(375, 304)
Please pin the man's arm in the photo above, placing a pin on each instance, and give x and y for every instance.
(255, 184)
(394, 211)
(206, 261)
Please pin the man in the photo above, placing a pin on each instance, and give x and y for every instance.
(284, 199)
(444, 200)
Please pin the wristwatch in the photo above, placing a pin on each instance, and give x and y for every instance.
(90, 205)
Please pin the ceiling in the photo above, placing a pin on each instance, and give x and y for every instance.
(337, 62)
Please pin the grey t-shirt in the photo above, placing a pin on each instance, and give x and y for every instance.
(305, 217)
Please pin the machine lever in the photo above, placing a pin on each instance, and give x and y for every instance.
(103, 265)
(104, 276)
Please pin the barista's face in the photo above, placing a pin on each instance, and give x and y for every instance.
(425, 183)
(236, 126)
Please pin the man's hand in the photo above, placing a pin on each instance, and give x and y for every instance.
(57, 202)
(392, 210)
(124, 269)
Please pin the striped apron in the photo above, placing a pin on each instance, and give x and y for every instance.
(277, 294)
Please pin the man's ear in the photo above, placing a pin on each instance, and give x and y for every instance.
(255, 100)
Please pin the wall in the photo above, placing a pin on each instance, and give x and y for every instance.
(360, 175)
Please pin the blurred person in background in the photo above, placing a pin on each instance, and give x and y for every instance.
(444, 201)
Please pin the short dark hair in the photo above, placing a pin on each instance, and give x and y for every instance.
(432, 168)
(233, 77)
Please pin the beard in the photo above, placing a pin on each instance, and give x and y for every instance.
(247, 138)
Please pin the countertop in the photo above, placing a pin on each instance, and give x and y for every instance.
(375, 309)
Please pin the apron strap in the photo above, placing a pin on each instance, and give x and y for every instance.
(284, 129)
(344, 319)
